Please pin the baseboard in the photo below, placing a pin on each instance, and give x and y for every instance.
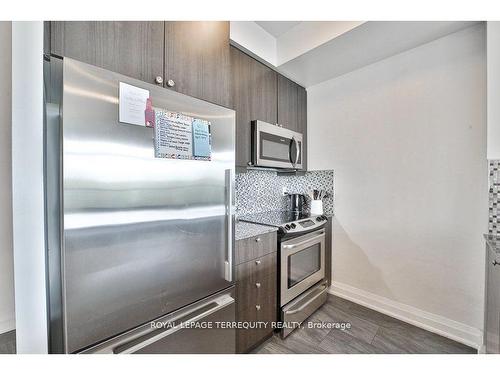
(449, 328)
(7, 325)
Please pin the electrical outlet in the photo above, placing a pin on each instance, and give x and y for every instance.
(284, 191)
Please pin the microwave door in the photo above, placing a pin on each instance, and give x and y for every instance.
(276, 147)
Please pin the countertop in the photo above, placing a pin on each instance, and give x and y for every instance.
(245, 230)
(493, 242)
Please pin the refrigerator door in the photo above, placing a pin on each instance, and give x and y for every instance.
(142, 236)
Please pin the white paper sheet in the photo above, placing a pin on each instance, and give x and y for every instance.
(132, 104)
(173, 135)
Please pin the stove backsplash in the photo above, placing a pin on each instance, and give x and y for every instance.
(494, 198)
(260, 190)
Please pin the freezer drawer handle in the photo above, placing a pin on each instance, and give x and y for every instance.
(190, 316)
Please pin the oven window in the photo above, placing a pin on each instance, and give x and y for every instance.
(303, 264)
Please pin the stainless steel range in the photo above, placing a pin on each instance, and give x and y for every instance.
(302, 282)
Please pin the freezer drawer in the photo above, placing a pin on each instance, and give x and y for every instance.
(192, 330)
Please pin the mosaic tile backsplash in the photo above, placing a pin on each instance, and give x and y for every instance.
(494, 198)
(259, 190)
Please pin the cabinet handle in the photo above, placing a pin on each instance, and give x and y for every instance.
(159, 80)
(257, 285)
(257, 239)
(257, 307)
(495, 263)
(257, 262)
(170, 83)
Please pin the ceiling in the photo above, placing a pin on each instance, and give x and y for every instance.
(313, 52)
(277, 28)
(364, 45)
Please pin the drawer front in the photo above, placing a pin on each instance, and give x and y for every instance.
(248, 338)
(259, 292)
(255, 247)
(257, 269)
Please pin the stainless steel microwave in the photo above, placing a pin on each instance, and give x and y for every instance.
(276, 147)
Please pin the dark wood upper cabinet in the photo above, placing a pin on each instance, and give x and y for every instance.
(254, 88)
(134, 48)
(302, 124)
(292, 110)
(197, 60)
(288, 99)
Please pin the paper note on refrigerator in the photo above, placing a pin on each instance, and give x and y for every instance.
(173, 135)
(201, 138)
(132, 104)
(178, 136)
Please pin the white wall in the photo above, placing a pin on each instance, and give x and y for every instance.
(406, 137)
(7, 319)
(493, 38)
(27, 188)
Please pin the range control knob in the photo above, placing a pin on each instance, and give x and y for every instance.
(319, 218)
(293, 225)
(287, 227)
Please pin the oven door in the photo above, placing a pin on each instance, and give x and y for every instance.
(302, 264)
(276, 147)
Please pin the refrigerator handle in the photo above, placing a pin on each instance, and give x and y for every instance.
(228, 264)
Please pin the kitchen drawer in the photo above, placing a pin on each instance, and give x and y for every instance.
(256, 292)
(254, 247)
(257, 269)
(248, 338)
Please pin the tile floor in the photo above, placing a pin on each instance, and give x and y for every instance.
(371, 333)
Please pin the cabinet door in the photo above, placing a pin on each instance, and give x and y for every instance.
(254, 88)
(302, 122)
(328, 250)
(292, 110)
(288, 99)
(197, 60)
(134, 49)
(493, 304)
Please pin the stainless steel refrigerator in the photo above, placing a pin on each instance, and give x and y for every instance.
(134, 239)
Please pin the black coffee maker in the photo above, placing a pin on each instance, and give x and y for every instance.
(297, 202)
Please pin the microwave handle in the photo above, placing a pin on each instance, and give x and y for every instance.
(298, 152)
(295, 158)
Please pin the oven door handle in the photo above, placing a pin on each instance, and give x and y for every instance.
(291, 246)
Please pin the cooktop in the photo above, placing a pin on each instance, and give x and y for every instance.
(287, 221)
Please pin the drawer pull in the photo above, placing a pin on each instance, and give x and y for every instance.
(257, 262)
(257, 239)
(257, 307)
(257, 285)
